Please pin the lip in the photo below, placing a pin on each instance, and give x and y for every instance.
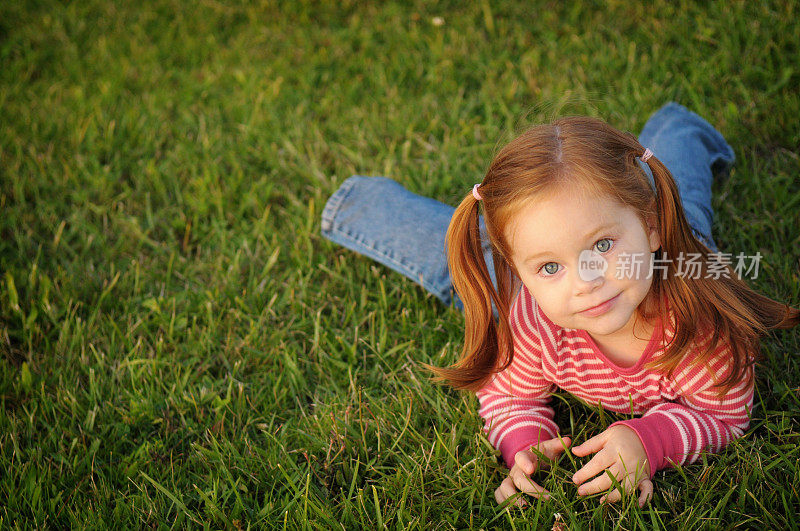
(601, 308)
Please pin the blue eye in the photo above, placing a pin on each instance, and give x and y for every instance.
(603, 248)
(548, 269)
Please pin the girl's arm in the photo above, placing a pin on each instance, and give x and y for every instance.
(514, 404)
(677, 432)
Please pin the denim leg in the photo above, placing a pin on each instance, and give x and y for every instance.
(691, 149)
(379, 218)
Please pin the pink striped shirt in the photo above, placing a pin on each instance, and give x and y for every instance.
(681, 415)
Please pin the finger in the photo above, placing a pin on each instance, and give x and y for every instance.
(635, 471)
(499, 496)
(625, 480)
(526, 461)
(600, 483)
(589, 446)
(596, 464)
(553, 447)
(646, 487)
(525, 484)
(612, 497)
(505, 490)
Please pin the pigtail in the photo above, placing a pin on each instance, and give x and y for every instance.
(484, 337)
(724, 308)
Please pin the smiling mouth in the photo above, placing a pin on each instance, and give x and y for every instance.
(599, 305)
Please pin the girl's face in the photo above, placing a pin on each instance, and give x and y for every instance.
(574, 251)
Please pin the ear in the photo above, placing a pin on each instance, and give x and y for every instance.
(652, 233)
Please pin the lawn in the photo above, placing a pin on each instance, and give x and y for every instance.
(180, 346)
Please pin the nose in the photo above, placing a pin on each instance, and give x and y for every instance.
(589, 274)
(585, 282)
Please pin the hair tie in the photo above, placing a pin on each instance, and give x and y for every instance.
(646, 155)
(475, 193)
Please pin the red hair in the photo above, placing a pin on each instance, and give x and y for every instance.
(588, 152)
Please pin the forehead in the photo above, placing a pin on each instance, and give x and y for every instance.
(562, 219)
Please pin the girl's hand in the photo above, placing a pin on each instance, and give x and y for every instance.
(526, 463)
(620, 452)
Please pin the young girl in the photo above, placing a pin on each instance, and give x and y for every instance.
(593, 273)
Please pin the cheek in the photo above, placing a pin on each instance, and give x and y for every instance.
(549, 297)
(628, 264)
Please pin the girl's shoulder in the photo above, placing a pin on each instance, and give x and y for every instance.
(692, 373)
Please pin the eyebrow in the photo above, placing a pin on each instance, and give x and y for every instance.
(587, 237)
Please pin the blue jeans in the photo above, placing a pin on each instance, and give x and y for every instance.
(377, 217)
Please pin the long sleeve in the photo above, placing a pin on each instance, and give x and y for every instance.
(514, 405)
(677, 432)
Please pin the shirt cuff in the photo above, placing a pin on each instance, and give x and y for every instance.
(521, 439)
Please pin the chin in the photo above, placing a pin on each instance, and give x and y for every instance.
(605, 324)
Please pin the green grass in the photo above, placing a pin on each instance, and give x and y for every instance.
(181, 347)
